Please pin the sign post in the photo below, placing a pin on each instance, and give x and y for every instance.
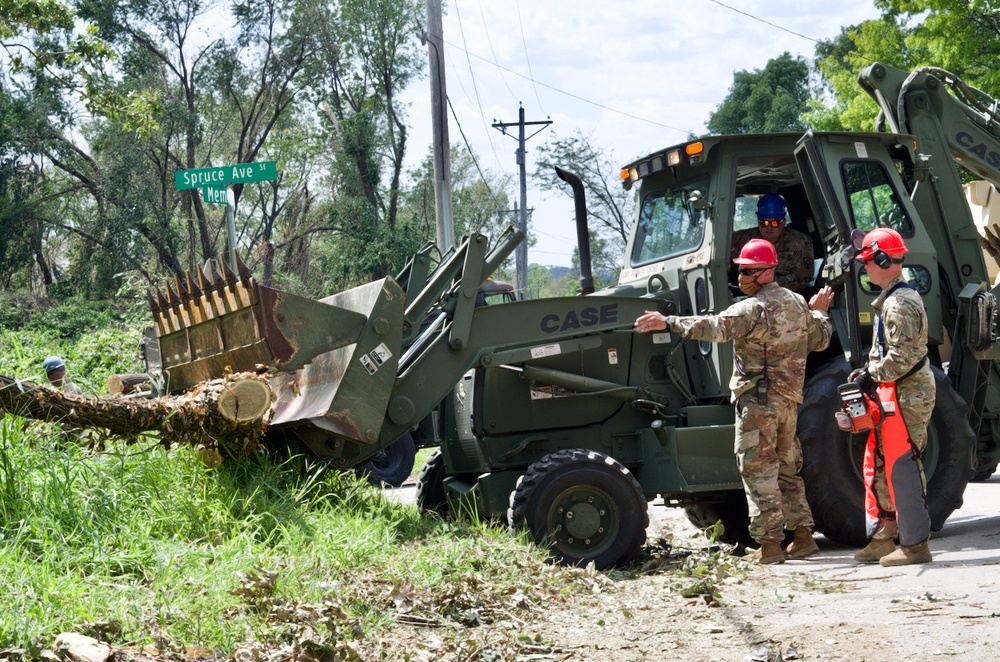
(214, 184)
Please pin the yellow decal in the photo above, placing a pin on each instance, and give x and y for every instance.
(865, 318)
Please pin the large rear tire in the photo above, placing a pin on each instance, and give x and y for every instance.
(984, 473)
(732, 511)
(832, 459)
(585, 506)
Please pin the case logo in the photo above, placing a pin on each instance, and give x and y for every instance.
(573, 319)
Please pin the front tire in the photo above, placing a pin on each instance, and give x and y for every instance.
(585, 506)
(392, 465)
(431, 496)
(832, 459)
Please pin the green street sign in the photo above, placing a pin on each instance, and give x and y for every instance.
(214, 194)
(243, 173)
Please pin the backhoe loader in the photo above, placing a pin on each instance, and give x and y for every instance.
(557, 416)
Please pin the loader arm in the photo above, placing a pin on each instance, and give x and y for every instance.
(496, 338)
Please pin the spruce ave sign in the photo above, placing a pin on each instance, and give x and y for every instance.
(212, 181)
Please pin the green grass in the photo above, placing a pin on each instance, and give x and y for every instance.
(149, 547)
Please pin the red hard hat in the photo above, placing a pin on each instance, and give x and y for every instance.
(758, 251)
(886, 240)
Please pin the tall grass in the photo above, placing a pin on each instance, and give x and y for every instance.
(154, 548)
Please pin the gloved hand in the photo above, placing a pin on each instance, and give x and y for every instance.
(854, 374)
(846, 257)
(866, 383)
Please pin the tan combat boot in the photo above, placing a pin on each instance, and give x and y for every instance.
(769, 552)
(908, 555)
(875, 550)
(803, 545)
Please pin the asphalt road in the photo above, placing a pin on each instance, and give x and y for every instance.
(966, 551)
(830, 607)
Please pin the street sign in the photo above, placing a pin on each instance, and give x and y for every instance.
(243, 173)
(215, 194)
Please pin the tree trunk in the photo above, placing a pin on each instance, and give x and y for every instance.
(229, 413)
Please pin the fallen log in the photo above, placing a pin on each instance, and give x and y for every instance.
(230, 413)
(127, 383)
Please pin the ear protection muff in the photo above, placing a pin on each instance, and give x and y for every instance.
(881, 259)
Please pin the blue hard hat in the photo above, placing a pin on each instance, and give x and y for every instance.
(771, 206)
(52, 363)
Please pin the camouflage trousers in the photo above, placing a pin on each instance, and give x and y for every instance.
(770, 458)
(916, 404)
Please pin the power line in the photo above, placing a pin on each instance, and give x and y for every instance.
(773, 25)
(486, 27)
(570, 94)
(475, 87)
(520, 25)
(475, 160)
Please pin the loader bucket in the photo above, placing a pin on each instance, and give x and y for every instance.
(343, 394)
(223, 320)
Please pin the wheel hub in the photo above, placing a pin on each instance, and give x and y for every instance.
(583, 520)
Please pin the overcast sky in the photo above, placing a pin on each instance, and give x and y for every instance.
(635, 76)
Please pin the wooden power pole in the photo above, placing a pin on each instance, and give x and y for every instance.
(521, 254)
(434, 37)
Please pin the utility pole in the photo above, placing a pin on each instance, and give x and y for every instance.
(521, 254)
(434, 38)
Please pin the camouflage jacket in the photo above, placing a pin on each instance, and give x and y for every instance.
(795, 256)
(775, 326)
(901, 315)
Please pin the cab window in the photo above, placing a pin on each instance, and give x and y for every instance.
(668, 225)
(874, 202)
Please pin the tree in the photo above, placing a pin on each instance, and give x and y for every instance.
(961, 37)
(609, 205)
(844, 106)
(480, 199)
(765, 100)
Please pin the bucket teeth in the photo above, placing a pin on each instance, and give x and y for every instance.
(206, 284)
(192, 285)
(241, 268)
(182, 290)
(230, 276)
(172, 298)
(161, 301)
(154, 307)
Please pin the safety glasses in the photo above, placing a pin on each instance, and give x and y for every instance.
(751, 272)
(770, 222)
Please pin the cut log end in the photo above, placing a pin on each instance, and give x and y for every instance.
(127, 383)
(244, 401)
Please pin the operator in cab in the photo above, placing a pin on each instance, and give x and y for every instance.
(795, 249)
(772, 330)
(899, 376)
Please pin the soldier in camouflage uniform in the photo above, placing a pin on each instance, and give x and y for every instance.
(795, 250)
(897, 360)
(773, 329)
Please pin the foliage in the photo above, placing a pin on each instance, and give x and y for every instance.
(960, 37)
(480, 199)
(840, 60)
(150, 548)
(765, 100)
(95, 338)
